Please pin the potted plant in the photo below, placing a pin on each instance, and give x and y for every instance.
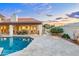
(23, 32)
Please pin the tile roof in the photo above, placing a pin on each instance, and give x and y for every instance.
(29, 20)
(22, 21)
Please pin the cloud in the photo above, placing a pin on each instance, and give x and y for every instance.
(59, 18)
(73, 14)
(49, 15)
(30, 4)
(40, 8)
(44, 8)
(18, 11)
(49, 7)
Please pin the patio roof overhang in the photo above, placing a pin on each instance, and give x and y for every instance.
(19, 23)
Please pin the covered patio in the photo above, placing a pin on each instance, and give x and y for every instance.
(20, 27)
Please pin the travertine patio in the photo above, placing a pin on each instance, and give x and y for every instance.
(49, 46)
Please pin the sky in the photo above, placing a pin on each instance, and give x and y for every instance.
(41, 11)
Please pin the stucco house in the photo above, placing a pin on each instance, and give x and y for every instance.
(15, 25)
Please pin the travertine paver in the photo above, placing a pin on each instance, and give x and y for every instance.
(49, 46)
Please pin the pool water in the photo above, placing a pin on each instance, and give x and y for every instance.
(19, 43)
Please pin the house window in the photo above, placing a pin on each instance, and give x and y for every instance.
(23, 28)
(4, 29)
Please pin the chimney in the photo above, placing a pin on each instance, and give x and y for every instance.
(14, 18)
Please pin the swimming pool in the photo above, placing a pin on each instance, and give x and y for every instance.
(19, 43)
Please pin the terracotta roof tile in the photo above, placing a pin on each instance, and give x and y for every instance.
(31, 20)
(22, 21)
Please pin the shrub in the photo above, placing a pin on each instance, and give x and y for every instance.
(47, 26)
(52, 26)
(56, 30)
(66, 36)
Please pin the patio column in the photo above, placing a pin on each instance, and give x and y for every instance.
(40, 29)
(13, 19)
(11, 34)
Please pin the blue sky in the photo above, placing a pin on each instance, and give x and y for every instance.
(38, 10)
